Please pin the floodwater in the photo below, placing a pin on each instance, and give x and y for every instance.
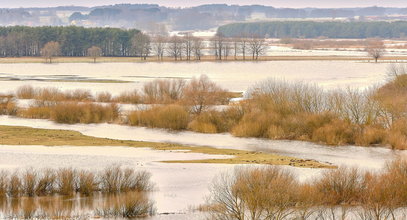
(235, 76)
(181, 187)
(363, 157)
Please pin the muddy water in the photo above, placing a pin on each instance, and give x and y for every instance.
(235, 76)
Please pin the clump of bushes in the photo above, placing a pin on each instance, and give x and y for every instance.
(73, 112)
(69, 181)
(7, 105)
(174, 117)
(274, 192)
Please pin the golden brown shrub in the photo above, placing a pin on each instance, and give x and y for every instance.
(338, 132)
(174, 117)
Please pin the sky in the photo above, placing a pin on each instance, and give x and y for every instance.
(188, 3)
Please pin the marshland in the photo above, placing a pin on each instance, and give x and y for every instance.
(240, 114)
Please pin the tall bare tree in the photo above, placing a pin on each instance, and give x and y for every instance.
(188, 45)
(159, 45)
(95, 52)
(141, 44)
(256, 47)
(218, 45)
(175, 47)
(197, 46)
(243, 46)
(50, 50)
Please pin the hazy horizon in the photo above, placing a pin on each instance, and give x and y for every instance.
(189, 3)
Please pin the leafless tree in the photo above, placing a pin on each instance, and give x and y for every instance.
(218, 45)
(159, 45)
(141, 44)
(188, 40)
(375, 48)
(197, 47)
(51, 50)
(95, 52)
(256, 47)
(175, 47)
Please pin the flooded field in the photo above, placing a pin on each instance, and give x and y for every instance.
(235, 76)
(180, 187)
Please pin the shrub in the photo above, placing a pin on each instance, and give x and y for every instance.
(115, 179)
(72, 112)
(39, 112)
(132, 205)
(104, 97)
(128, 97)
(25, 92)
(7, 105)
(86, 183)
(66, 181)
(163, 91)
(337, 132)
(370, 135)
(46, 182)
(172, 117)
(200, 93)
(29, 182)
(4, 181)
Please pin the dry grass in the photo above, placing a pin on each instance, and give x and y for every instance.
(10, 135)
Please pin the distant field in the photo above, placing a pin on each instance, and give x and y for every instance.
(204, 59)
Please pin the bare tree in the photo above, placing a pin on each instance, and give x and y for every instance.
(256, 47)
(218, 45)
(188, 45)
(141, 44)
(94, 52)
(375, 48)
(235, 45)
(175, 47)
(50, 50)
(197, 46)
(159, 45)
(200, 93)
(243, 41)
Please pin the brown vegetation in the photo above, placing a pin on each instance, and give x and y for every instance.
(272, 109)
(73, 112)
(69, 181)
(344, 193)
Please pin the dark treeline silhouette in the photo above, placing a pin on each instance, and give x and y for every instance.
(311, 29)
(74, 41)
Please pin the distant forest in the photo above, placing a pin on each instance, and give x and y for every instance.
(310, 29)
(74, 41)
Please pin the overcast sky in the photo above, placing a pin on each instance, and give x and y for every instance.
(187, 3)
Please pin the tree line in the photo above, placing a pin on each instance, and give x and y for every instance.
(312, 29)
(49, 42)
(20, 41)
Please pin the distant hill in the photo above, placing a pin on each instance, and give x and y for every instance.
(312, 29)
(148, 16)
